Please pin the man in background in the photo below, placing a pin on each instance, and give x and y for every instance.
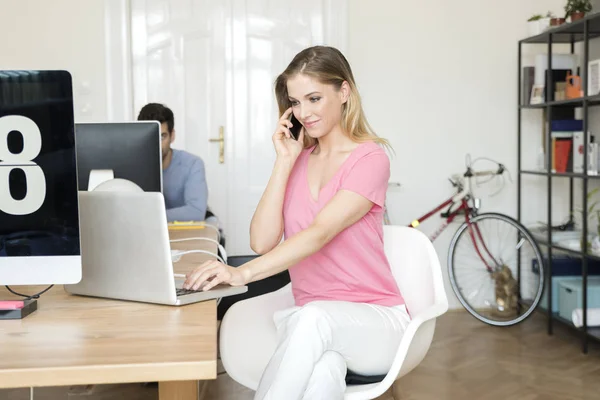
(184, 178)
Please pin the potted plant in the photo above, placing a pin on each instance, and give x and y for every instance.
(554, 20)
(534, 25)
(535, 17)
(576, 9)
(545, 22)
(538, 24)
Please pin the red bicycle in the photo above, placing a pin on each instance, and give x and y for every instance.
(495, 266)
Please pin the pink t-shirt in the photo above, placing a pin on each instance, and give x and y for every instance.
(353, 266)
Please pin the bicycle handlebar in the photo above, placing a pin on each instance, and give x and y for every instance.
(469, 173)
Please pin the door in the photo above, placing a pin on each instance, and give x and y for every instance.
(214, 63)
(178, 58)
(266, 36)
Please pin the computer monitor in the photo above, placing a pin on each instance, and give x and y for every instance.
(130, 149)
(39, 215)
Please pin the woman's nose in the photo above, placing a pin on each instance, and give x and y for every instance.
(304, 112)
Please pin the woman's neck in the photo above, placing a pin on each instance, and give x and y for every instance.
(334, 141)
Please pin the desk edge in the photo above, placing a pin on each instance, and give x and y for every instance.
(104, 374)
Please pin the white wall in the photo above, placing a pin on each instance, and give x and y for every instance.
(59, 34)
(437, 74)
(433, 74)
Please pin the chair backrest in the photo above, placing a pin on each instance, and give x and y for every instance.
(416, 267)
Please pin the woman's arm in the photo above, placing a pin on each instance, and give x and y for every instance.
(266, 228)
(343, 210)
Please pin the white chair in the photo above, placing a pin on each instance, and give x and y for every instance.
(248, 335)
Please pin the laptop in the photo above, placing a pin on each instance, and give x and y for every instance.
(126, 254)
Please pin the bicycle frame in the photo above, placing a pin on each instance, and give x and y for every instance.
(462, 198)
(449, 215)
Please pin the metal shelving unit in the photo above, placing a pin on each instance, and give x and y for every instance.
(577, 32)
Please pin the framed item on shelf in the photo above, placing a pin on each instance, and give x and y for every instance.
(537, 94)
(594, 77)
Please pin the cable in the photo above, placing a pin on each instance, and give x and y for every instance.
(221, 248)
(29, 297)
(201, 251)
(216, 229)
(194, 238)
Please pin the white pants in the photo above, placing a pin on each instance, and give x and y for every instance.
(321, 340)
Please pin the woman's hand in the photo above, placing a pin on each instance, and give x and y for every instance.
(285, 145)
(212, 273)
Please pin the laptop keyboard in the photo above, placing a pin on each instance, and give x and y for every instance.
(183, 292)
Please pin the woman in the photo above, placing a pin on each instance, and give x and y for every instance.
(326, 195)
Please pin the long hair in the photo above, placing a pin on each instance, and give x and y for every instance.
(328, 66)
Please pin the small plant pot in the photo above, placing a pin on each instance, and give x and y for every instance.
(538, 26)
(534, 28)
(557, 21)
(577, 16)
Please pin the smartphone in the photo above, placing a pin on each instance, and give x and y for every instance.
(295, 130)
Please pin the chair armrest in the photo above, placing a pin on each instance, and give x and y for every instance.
(415, 342)
(429, 313)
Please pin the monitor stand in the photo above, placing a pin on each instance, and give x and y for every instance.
(98, 176)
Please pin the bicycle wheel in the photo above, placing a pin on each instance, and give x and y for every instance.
(496, 269)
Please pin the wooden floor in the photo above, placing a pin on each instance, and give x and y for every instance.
(467, 360)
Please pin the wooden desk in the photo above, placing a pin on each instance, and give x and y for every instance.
(76, 340)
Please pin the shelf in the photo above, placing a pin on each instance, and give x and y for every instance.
(560, 174)
(567, 250)
(591, 100)
(579, 31)
(569, 32)
(593, 333)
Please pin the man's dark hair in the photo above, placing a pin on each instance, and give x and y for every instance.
(157, 112)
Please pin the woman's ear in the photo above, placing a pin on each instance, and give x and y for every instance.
(344, 92)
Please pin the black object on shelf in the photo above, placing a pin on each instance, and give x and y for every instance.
(579, 31)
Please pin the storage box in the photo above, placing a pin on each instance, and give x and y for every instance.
(565, 268)
(566, 125)
(565, 265)
(570, 295)
(556, 280)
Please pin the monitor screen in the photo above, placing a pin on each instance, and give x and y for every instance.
(38, 174)
(130, 149)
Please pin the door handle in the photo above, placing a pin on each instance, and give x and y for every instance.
(221, 141)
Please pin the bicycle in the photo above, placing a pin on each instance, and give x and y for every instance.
(513, 298)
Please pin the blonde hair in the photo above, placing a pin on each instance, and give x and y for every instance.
(329, 66)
